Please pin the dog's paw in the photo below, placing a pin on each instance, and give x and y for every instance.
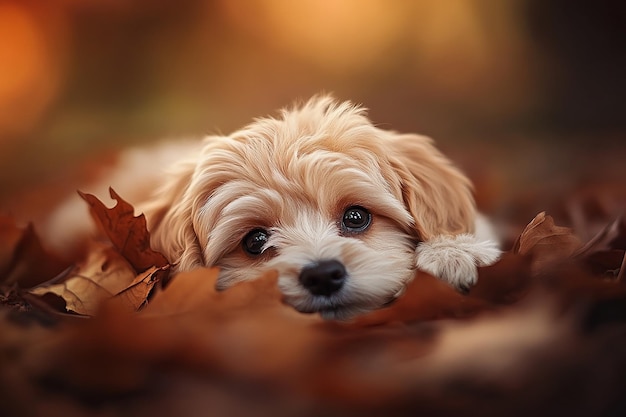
(454, 259)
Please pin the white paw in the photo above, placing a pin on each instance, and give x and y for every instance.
(454, 259)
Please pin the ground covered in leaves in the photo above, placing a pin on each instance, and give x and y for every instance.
(543, 332)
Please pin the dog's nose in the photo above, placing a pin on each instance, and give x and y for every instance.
(324, 277)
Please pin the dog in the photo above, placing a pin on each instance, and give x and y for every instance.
(345, 211)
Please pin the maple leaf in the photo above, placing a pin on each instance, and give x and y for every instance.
(124, 273)
(127, 232)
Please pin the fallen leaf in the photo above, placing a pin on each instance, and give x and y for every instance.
(196, 291)
(185, 292)
(23, 259)
(425, 298)
(576, 288)
(546, 243)
(127, 232)
(10, 236)
(621, 274)
(604, 240)
(136, 295)
(103, 275)
(588, 208)
(504, 282)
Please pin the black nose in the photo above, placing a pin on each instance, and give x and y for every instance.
(324, 277)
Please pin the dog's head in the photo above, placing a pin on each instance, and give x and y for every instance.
(333, 203)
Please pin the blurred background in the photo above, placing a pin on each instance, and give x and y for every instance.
(523, 94)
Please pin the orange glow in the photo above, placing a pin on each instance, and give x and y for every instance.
(451, 49)
(28, 74)
(334, 35)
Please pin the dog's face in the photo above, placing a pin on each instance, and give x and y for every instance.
(320, 195)
(325, 219)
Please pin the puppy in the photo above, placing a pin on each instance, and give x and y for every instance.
(343, 210)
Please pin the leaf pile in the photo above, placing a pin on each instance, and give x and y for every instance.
(542, 332)
(124, 270)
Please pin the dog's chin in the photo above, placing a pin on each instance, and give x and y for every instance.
(339, 312)
(331, 309)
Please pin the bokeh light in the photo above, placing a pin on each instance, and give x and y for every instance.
(517, 91)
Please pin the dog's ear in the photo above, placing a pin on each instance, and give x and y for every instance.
(170, 219)
(435, 192)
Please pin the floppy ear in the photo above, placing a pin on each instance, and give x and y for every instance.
(169, 215)
(435, 192)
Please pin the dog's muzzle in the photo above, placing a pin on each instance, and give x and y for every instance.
(323, 277)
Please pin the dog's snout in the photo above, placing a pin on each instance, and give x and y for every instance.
(324, 277)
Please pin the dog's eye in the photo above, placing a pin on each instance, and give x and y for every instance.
(254, 241)
(356, 219)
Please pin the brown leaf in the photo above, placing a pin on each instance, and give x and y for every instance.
(571, 283)
(588, 207)
(136, 294)
(127, 232)
(604, 252)
(185, 292)
(244, 331)
(105, 274)
(10, 236)
(546, 243)
(504, 282)
(196, 291)
(621, 274)
(604, 240)
(23, 260)
(425, 298)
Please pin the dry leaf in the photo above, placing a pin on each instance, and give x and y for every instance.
(546, 243)
(425, 298)
(10, 237)
(504, 282)
(244, 331)
(608, 238)
(23, 260)
(196, 291)
(185, 292)
(103, 275)
(136, 294)
(125, 274)
(127, 232)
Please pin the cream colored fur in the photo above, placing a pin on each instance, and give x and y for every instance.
(294, 176)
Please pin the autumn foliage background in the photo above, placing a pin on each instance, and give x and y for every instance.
(526, 95)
